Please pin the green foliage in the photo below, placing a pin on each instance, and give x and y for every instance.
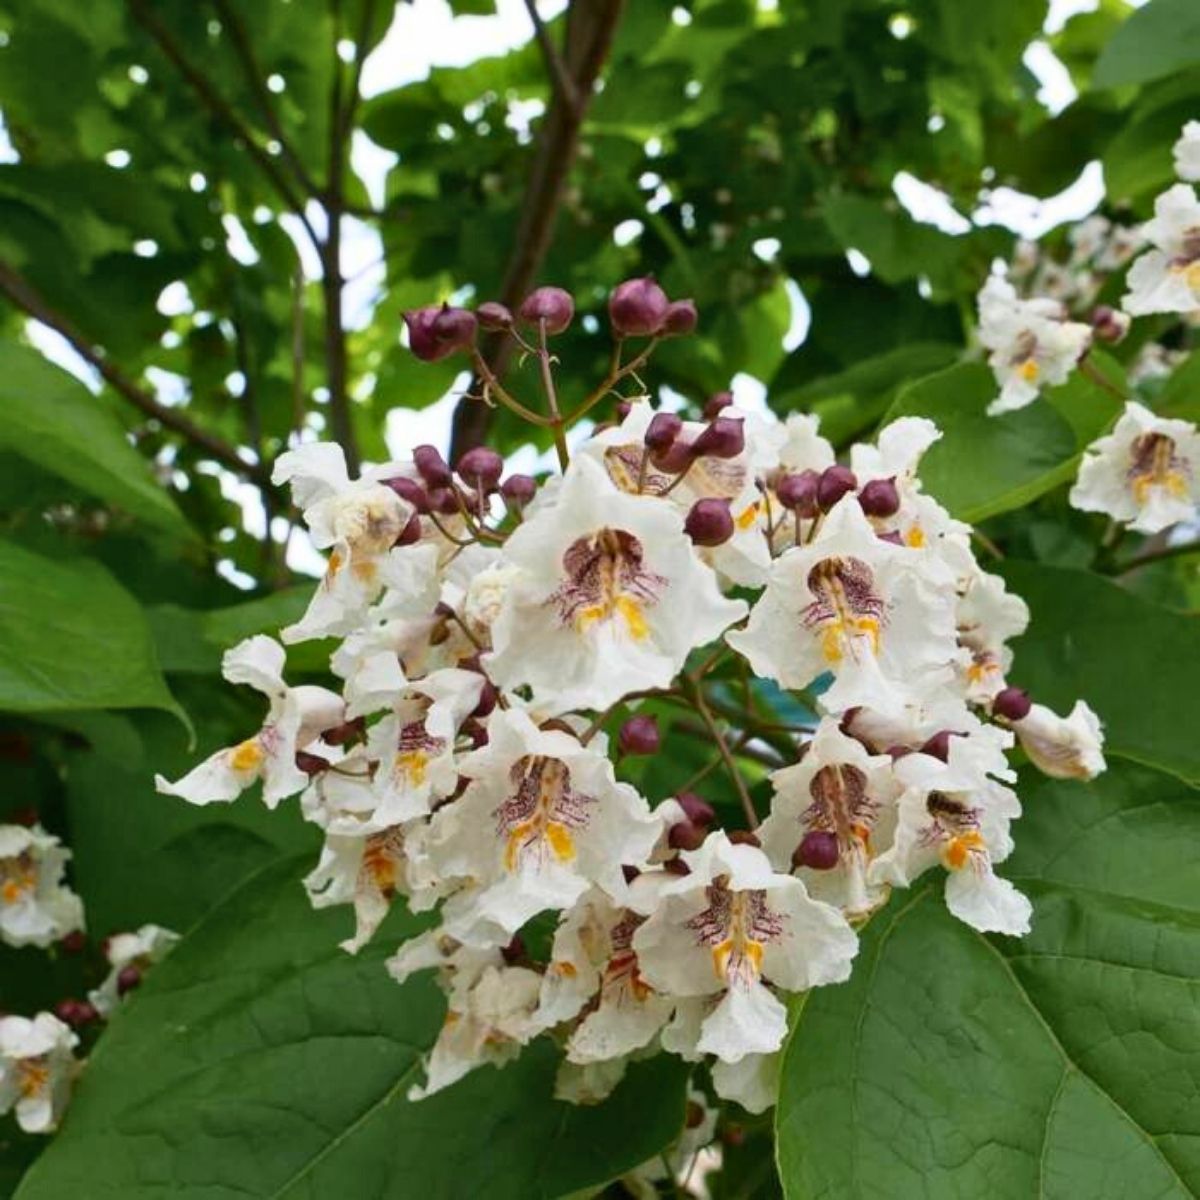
(261, 1060)
(1061, 1064)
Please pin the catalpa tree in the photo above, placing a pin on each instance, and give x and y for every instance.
(640, 645)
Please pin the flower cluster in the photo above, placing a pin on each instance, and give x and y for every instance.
(510, 652)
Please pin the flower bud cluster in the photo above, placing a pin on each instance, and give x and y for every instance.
(485, 649)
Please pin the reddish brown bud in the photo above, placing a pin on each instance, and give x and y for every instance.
(834, 483)
(1012, 704)
(493, 316)
(481, 467)
(880, 498)
(818, 850)
(686, 836)
(409, 490)
(443, 500)
(488, 696)
(1109, 324)
(723, 437)
(434, 333)
(348, 731)
(662, 431)
(518, 490)
(799, 492)
(639, 735)
(550, 305)
(698, 810)
(311, 764)
(715, 403)
(128, 978)
(938, 746)
(743, 837)
(432, 467)
(637, 307)
(681, 319)
(709, 522)
(75, 942)
(410, 534)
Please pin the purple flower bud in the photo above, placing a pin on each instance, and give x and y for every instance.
(623, 409)
(515, 952)
(518, 490)
(938, 746)
(493, 316)
(409, 490)
(799, 492)
(432, 467)
(410, 535)
(311, 764)
(709, 522)
(834, 483)
(637, 307)
(346, 732)
(685, 836)
(681, 319)
(549, 304)
(743, 837)
(488, 697)
(442, 501)
(895, 752)
(675, 459)
(639, 735)
(1109, 324)
(481, 467)
(698, 810)
(716, 402)
(1012, 704)
(435, 332)
(880, 498)
(818, 850)
(476, 732)
(75, 942)
(676, 866)
(662, 431)
(76, 1013)
(128, 978)
(723, 437)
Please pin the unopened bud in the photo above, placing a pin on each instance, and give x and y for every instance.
(938, 746)
(1109, 324)
(880, 498)
(895, 752)
(493, 316)
(481, 467)
(434, 333)
(311, 764)
(128, 978)
(550, 305)
(637, 307)
(716, 402)
(818, 850)
(488, 697)
(622, 408)
(515, 952)
(723, 437)
(676, 866)
(743, 837)
(443, 500)
(75, 942)
(662, 431)
(799, 492)
(686, 836)
(639, 735)
(346, 732)
(410, 534)
(432, 467)
(1012, 704)
(834, 483)
(409, 490)
(75, 1013)
(709, 522)
(518, 490)
(681, 318)
(698, 810)
(676, 458)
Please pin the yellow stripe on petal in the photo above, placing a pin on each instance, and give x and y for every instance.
(958, 849)
(635, 617)
(248, 756)
(560, 840)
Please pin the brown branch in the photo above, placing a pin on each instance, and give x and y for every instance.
(590, 26)
(563, 83)
(360, 56)
(244, 49)
(21, 293)
(220, 109)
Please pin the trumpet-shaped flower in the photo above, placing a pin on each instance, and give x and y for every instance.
(37, 1068)
(1167, 277)
(36, 906)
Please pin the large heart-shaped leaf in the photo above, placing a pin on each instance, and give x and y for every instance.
(261, 1061)
(1136, 663)
(1062, 1065)
(51, 419)
(985, 465)
(72, 638)
(1157, 40)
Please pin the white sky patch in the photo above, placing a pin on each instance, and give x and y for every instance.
(58, 350)
(1031, 217)
(801, 323)
(1057, 90)
(928, 204)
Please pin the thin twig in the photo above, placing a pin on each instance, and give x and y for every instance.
(563, 83)
(556, 422)
(29, 300)
(1101, 380)
(730, 763)
(1176, 551)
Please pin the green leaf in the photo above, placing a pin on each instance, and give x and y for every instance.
(51, 419)
(72, 638)
(1155, 41)
(1062, 1065)
(987, 465)
(259, 1060)
(1134, 662)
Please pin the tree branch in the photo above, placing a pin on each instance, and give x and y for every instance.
(258, 85)
(220, 109)
(563, 83)
(590, 27)
(21, 293)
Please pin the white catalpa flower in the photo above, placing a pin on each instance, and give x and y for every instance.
(954, 814)
(296, 718)
(414, 744)
(358, 521)
(1069, 747)
(803, 448)
(1031, 345)
(1143, 473)
(36, 907)
(141, 949)
(831, 814)
(491, 1012)
(1186, 153)
(1166, 278)
(855, 605)
(752, 1082)
(612, 598)
(542, 820)
(593, 966)
(37, 1067)
(987, 616)
(729, 928)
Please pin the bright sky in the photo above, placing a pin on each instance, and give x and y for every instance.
(425, 34)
